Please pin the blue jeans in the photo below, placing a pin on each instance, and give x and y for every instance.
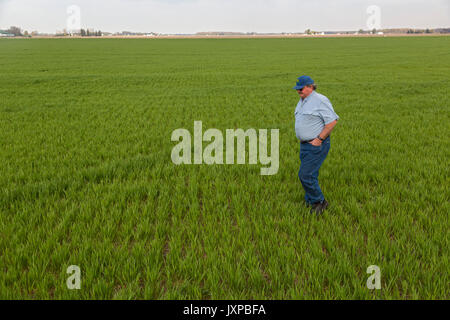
(311, 158)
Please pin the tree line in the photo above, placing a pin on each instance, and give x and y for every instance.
(88, 33)
(18, 32)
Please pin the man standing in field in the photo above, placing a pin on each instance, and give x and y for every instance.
(314, 120)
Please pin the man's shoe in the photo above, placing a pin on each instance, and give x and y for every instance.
(319, 207)
(324, 205)
(315, 207)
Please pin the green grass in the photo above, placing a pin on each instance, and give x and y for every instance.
(86, 176)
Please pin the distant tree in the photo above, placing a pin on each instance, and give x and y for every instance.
(428, 31)
(361, 31)
(374, 31)
(308, 31)
(83, 32)
(25, 33)
(15, 31)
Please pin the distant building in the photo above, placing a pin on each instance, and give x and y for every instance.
(5, 34)
(443, 30)
(219, 33)
(75, 33)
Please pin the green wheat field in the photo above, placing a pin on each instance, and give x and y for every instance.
(86, 176)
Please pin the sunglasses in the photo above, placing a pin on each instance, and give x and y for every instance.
(301, 90)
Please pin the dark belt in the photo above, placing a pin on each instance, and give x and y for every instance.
(303, 142)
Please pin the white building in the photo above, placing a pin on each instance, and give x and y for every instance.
(5, 34)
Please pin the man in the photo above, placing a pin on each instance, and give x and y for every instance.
(314, 120)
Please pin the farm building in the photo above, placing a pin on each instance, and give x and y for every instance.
(5, 34)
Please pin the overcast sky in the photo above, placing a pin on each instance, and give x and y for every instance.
(190, 16)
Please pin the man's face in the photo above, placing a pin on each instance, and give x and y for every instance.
(306, 91)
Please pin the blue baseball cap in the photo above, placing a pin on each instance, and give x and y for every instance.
(303, 81)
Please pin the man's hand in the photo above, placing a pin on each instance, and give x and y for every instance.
(316, 142)
(325, 133)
